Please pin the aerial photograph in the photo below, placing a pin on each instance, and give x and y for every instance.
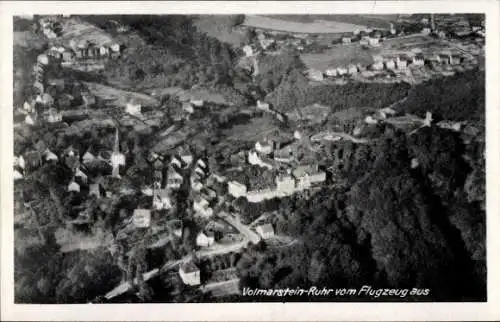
(249, 158)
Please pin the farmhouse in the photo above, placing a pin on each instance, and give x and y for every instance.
(133, 109)
(331, 72)
(265, 231)
(315, 75)
(205, 239)
(346, 40)
(418, 60)
(189, 273)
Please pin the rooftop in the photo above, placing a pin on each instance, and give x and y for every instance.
(189, 267)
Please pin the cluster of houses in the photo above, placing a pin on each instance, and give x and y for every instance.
(85, 50)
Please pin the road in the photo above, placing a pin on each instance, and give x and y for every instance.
(244, 229)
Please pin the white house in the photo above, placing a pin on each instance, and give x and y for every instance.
(205, 240)
(352, 69)
(43, 59)
(115, 48)
(341, 71)
(253, 158)
(390, 64)
(133, 109)
(201, 163)
(176, 161)
(29, 120)
(27, 107)
(19, 162)
(187, 107)
(331, 72)
(174, 179)
(426, 30)
(378, 65)
(418, 60)
(187, 158)
(196, 184)
(236, 189)
(50, 156)
(346, 40)
(370, 120)
(141, 218)
(315, 75)
(401, 62)
(17, 175)
(95, 190)
(262, 105)
(373, 41)
(263, 147)
(189, 273)
(265, 231)
(201, 206)
(73, 187)
(53, 116)
(196, 102)
(248, 51)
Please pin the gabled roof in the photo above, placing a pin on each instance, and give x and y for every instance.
(266, 228)
(189, 267)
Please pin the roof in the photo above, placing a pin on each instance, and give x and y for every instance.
(189, 267)
(302, 170)
(266, 228)
(142, 212)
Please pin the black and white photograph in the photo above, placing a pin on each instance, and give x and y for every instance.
(235, 158)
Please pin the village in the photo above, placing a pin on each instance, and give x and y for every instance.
(181, 194)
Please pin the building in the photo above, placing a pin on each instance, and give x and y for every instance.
(265, 231)
(187, 158)
(53, 116)
(73, 187)
(161, 199)
(307, 175)
(17, 175)
(30, 119)
(42, 59)
(248, 51)
(95, 189)
(373, 41)
(346, 40)
(174, 179)
(117, 158)
(331, 72)
(315, 75)
(205, 239)
(426, 30)
(133, 109)
(378, 65)
(454, 59)
(443, 58)
(202, 207)
(196, 102)
(264, 147)
(401, 62)
(81, 175)
(189, 273)
(390, 64)
(262, 105)
(341, 71)
(255, 159)
(352, 69)
(141, 218)
(19, 162)
(88, 158)
(418, 60)
(49, 156)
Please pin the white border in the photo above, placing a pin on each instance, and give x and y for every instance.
(247, 311)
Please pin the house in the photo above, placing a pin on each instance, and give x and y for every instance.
(205, 239)
(315, 75)
(19, 162)
(208, 194)
(187, 107)
(27, 107)
(81, 175)
(346, 40)
(43, 59)
(53, 116)
(202, 164)
(262, 105)
(88, 158)
(141, 218)
(331, 72)
(196, 184)
(50, 156)
(373, 41)
(443, 59)
(255, 159)
(103, 51)
(370, 120)
(196, 103)
(174, 179)
(200, 171)
(30, 119)
(341, 71)
(39, 87)
(401, 62)
(202, 207)
(95, 189)
(68, 56)
(426, 30)
(378, 65)
(177, 162)
(455, 59)
(390, 64)
(73, 187)
(263, 147)
(265, 231)
(115, 48)
(307, 175)
(161, 199)
(17, 175)
(189, 273)
(187, 158)
(248, 51)
(352, 69)
(418, 60)
(133, 109)
(284, 155)
(45, 99)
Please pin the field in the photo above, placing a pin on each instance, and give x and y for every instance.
(119, 97)
(372, 21)
(339, 56)
(205, 94)
(254, 129)
(220, 27)
(81, 31)
(314, 27)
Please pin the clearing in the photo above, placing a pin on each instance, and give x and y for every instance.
(314, 27)
(120, 97)
(338, 56)
(79, 30)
